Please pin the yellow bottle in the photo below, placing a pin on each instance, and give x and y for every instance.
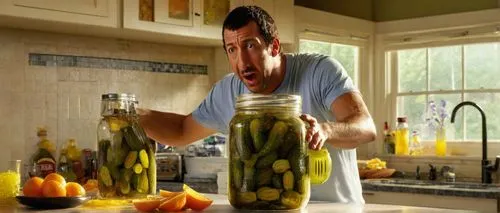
(441, 142)
(402, 137)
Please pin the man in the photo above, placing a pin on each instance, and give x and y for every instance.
(335, 110)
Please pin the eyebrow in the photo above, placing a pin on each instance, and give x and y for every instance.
(245, 40)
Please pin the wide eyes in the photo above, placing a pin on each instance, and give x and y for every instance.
(232, 49)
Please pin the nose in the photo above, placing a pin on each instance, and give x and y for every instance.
(243, 60)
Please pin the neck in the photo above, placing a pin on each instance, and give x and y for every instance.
(278, 74)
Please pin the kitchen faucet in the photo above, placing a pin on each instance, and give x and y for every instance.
(486, 167)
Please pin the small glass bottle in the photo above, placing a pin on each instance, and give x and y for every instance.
(388, 140)
(415, 147)
(402, 137)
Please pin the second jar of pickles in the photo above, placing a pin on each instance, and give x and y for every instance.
(268, 154)
(126, 158)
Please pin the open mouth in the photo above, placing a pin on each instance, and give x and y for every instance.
(250, 77)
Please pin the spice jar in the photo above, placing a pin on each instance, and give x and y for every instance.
(268, 154)
(126, 158)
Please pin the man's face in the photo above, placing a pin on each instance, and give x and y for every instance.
(250, 57)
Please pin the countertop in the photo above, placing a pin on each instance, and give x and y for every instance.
(458, 189)
(221, 204)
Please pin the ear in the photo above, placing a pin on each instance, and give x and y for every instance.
(275, 47)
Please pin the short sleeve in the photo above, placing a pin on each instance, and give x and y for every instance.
(209, 112)
(333, 81)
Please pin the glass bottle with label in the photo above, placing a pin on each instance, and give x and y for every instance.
(125, 157)
(402, 137)
(43, 159)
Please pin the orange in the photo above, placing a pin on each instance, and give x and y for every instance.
(195, 200)
(90, 185)
(57, 177)
(74, 190)
(174, 204)
(146, 205)
(52, 188)
(168, 194)
(33, 187)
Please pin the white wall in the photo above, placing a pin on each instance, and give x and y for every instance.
(67, 99)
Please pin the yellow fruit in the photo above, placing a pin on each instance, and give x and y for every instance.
(74, 190)
(52, 188)
(33, 187)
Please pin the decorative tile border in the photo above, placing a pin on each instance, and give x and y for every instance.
(37, 59)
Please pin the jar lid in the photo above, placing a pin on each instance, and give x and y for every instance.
(120, 96)
(281, 101)
(402, 119)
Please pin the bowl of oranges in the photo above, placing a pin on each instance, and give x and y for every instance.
(52, 192)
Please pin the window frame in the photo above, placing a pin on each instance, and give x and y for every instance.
(387, 43)
(362, 77)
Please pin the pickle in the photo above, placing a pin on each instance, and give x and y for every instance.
(143, 156)
(241, 135)
(105, 177)
(138, 168)
(130, 159)
(276, 137)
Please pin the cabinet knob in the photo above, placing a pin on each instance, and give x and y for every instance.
(197, 14)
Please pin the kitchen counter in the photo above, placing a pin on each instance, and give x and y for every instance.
(457, 189)
(221, 204)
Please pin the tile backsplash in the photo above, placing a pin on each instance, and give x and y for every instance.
(56, 80)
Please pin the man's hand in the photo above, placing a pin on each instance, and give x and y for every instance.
(315, 135)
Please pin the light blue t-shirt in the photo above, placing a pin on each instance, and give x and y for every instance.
(319, 80)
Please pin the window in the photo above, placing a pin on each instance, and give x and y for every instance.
(458, 73)
(347, 55)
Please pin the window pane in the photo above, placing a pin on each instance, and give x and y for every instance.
(488, 102)
(445, 68)
(412, 66)
(307, 46)
(453, 131)
(412, 107)
(347, 56)
(482, 65)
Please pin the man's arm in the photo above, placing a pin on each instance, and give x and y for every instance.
(172, 129)
(353, 127)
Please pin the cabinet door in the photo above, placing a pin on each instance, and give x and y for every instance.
(178, 12)
(86, 7)
(212, 17)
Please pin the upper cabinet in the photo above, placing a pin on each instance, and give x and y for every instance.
(198, 19)
(282, 12)
(87, 12)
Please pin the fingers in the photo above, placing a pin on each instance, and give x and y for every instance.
(314, 135)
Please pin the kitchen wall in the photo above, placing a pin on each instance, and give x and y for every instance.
(389, 10)
(362, 9)
(40, 87)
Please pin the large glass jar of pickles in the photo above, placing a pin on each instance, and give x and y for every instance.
(126, 158)
(268, 154)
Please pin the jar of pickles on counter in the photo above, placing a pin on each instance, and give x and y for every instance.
(268, 154)
(126, 158)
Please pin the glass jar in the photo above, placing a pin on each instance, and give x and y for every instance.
(125, 157)
(268, 154)
(402, 137)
